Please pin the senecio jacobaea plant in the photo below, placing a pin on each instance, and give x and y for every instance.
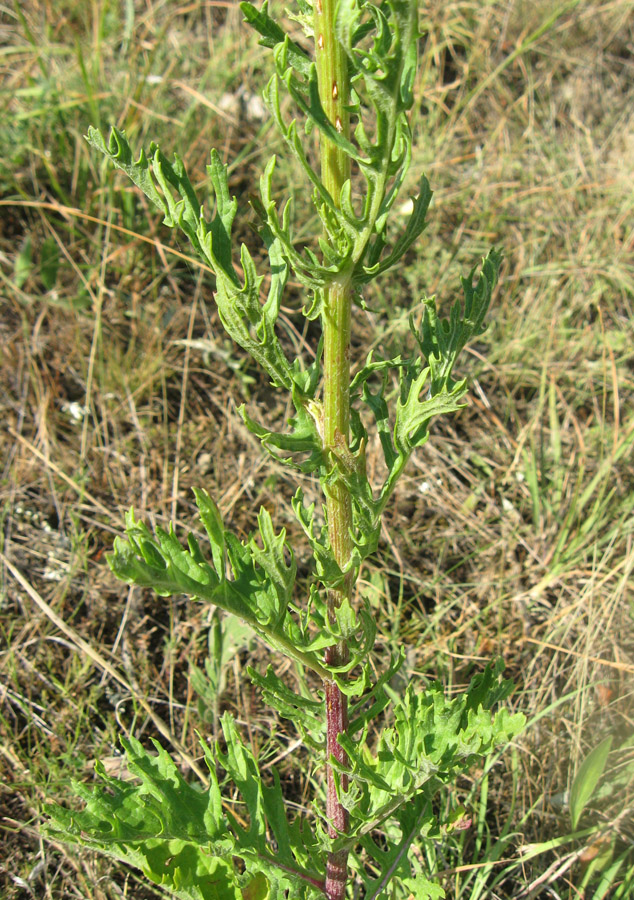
(378, 794)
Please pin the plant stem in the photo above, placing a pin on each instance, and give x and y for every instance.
(332, 73)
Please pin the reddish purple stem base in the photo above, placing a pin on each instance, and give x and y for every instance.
(337, 723)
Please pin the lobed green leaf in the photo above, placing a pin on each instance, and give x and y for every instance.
(250, 323)
(356, 240)
(432, 740)
(305, 712)
(272, 35)
(255, 583)
(181, 836)
(442, 340)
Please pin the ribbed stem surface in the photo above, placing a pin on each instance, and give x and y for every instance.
(335, 170)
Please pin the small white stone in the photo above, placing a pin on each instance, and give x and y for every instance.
(75, 410)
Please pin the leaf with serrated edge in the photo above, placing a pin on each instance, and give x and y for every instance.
(180, 835)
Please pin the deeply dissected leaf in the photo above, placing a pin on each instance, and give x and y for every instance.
(118, 151)
(328, 569)
(259, 591)
(305, 436)
(441, 340)
(375, 699)
(417, 406)
(181, 835)
(416, 224)
(431, 741)
(305, 712)
(250, 323)
(416, 822)
(272, 35)
(356, 239)
(425, 391)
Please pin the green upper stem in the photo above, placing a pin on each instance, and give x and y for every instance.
(334, 91)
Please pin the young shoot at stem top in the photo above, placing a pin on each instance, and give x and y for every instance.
(356, 93)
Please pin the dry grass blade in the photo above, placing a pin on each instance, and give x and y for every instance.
(107, 667)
